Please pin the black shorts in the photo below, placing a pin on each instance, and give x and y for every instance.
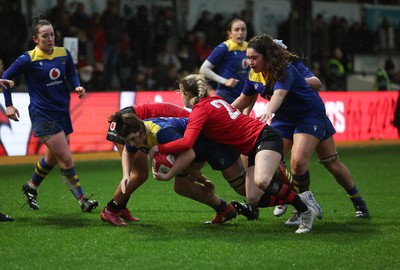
(269, 139)
(111, 134)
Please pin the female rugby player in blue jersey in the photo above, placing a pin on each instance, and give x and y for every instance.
(230, 61)
(141, 135)
(297, 112)
(48, 71)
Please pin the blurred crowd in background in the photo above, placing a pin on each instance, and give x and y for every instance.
(146, 51)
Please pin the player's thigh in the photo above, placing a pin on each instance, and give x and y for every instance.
(326, 149)
(266, 164)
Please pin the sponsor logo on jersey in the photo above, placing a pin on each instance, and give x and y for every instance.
(245, 63)
(54, 73)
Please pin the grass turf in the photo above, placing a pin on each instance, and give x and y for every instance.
(171, 233)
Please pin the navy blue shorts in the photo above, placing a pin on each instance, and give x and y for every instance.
(219, 156)
(45, 123)
(318, 126)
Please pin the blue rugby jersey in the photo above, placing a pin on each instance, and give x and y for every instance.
(161, 130)
(47, 78)
(231, 62)
(301, 100)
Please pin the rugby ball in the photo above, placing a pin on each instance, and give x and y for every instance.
(162, 163)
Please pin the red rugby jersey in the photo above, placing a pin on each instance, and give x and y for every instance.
(219, 122)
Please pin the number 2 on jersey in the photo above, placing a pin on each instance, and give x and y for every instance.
(217, 104)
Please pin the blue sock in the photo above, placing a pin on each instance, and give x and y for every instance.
(353, 195)
(220, 207)
(71, 179)
(41, 171)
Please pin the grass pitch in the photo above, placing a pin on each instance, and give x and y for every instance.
(171, 233)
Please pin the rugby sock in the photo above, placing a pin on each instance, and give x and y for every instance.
(354, 196)
(301, 183)
(71, 179)
(113, 206)
(123, 204)
(220, 207)
(284, 175)
(278, 193)
(41, 171)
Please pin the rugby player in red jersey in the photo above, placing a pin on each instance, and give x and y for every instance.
(117, 206)
(220, 122)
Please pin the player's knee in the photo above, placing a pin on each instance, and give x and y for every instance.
(263, 182)
(298, 166)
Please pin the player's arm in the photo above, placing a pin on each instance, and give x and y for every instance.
(181, 163)
(274, 104)
(126, 163)
(314, 82)
(157, 109)
(243, 101)
(177, 146)
(16, 69)
(6, 83)
(206, 70)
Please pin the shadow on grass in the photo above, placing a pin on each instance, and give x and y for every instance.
(243, 231)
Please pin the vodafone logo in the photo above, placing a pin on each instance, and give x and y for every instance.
(54, 73)
(112, 126)
(245, 63)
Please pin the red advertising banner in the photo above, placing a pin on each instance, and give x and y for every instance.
(357, 116)
(361, 115)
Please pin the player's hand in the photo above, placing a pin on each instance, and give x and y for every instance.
(232, 82)
(124, 183)
(267, 117)
(12, 113)
(160, 176)
(152, 152)
(81, 92)
(6, 83)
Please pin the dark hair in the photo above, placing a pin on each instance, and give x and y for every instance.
(275, 57)
(38, 22)
(230, 24)
(126, 123)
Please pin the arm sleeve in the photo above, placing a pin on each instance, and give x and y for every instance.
(71, 75)
(7, 97)
(304, 71)
(248, 88)
(16, 69)
(206, 69)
